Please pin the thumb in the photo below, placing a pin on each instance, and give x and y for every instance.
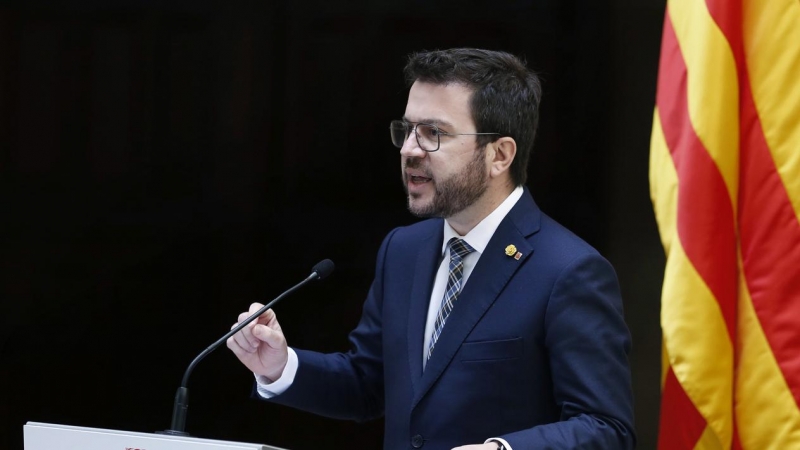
(266, 334)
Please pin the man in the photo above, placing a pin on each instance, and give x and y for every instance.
(487, 326)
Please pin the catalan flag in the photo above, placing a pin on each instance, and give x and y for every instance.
(725, 186)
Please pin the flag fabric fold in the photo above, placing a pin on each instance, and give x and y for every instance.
(725, 186)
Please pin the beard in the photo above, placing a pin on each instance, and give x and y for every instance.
(454, 194)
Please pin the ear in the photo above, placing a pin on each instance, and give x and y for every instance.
(502, 155)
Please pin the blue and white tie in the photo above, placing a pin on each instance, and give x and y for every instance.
(458, 250)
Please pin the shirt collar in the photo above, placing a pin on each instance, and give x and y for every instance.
(478, 238)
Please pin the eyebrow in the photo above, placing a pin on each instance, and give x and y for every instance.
(437, 122)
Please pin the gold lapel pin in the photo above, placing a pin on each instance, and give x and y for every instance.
(511, 250)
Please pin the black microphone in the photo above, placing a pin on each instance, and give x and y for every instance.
(179, 410)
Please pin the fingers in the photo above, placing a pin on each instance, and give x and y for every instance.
(254, 307)
(260, 345)
(270, 336)
(270, 319)
(237, 349)
(246, 340)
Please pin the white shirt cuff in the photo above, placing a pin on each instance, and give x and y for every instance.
(503, 441)
(269, 389)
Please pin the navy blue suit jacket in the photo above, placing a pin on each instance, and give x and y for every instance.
(535, 350)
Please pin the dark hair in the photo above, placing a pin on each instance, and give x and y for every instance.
(505, 97)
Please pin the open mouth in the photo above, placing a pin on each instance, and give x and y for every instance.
(418, 180)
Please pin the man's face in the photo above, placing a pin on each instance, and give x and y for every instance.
(445, 182)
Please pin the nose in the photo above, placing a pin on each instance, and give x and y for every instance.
(411, 148)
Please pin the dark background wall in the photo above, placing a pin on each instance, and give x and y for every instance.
(164, 164)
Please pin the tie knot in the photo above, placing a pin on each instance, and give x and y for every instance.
(459, 248)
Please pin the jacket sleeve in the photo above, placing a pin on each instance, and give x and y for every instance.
(588, 344)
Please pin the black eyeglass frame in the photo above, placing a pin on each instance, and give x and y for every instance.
(409, 126)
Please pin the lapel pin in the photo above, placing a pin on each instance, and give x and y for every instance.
(511, 250)
(518, 256)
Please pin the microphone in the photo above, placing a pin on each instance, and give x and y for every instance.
(181, 405)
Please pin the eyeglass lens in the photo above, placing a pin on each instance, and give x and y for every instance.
(427, 135)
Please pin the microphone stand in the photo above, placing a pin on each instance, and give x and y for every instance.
(181, 405)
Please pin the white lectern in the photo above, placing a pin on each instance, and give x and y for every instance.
(46, 436)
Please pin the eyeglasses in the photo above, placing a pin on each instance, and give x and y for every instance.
(428, 135)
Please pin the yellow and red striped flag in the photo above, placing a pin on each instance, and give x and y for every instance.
(725, 185)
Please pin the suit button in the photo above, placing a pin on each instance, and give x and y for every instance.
(417, 441)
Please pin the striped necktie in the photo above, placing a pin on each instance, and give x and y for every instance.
(458, 250)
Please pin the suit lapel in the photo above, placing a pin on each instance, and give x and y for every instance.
(488, 278)
(425, 268)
